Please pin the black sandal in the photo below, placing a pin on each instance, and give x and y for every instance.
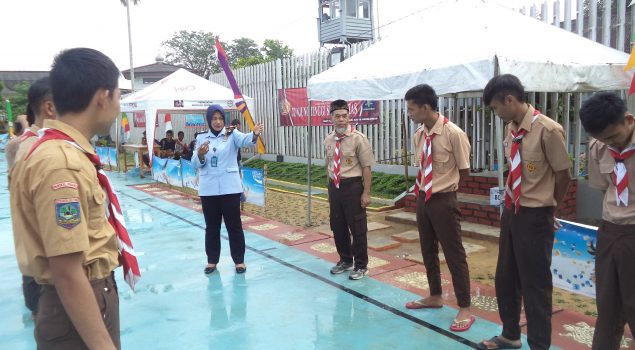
(500, 344)
(209, 269)
(241, 269)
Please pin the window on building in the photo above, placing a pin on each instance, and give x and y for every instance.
(351, 8)
(335, 8)
(363, 9)
(148, 81)
(326, 10)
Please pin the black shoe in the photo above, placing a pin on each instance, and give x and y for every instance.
(209, 269)
(241, 269)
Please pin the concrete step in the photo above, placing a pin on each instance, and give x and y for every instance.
(379, 244)
(406, 237)
(472, 198)
(477, 231)
(375, 226)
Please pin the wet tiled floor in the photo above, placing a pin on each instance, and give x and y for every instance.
(286, 300)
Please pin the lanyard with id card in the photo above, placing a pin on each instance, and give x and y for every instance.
(214, 161)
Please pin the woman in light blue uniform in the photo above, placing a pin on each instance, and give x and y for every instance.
(220, 185)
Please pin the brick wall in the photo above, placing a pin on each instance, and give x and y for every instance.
(479, 185)
(480, 214)
(487, 214)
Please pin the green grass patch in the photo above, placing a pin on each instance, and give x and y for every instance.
(384, 185)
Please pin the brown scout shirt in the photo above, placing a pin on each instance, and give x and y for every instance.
(355, 154)
(450, 153)
(26, 145)
(543, 154)
(601, 165)
(11, 149)
(58, 208)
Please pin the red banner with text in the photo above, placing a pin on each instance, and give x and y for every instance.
(294, 110)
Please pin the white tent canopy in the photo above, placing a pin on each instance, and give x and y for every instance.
(179, 91)
(458, 45)
(124, 84)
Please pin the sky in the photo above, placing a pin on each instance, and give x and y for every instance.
(34, 31)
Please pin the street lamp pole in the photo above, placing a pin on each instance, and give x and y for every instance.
(130, 46)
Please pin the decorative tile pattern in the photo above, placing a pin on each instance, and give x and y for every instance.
(263, 227)
(172, 196)
(582, 333)
(418, 280)
(374, 262)
(485, 303)
(324, 248)
(291, 236)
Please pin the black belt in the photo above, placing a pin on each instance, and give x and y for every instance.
(348, 180)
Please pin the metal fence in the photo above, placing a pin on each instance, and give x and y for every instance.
(607, 24)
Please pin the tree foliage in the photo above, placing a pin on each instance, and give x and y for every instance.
(20, 99)
(276, 49)
(125, 2)
(271, 50)
(193, 50)
(243, 49)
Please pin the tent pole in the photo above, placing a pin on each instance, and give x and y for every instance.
(404, 153)
(499, 156)
(117, 143)
(310, 142)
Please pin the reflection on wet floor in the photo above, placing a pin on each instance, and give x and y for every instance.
(286, 300)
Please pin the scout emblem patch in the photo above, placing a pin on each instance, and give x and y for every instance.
(349, 161)
(531, 167)
(67, 212)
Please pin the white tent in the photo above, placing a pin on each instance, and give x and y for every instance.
(124, 84)
(458, 45)
(179, 92)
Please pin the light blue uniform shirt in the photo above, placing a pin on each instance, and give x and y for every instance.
(223, 178)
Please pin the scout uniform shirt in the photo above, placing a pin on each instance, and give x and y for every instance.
(450, 153)
(58, 208)
(26, 144)
(355, 154)
(601, 165)
(543, 153)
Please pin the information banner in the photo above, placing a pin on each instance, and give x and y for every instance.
(173, 172)
(158, 169)
(190, 175)
(254, 186)
(294, 110)
(195, 121)
(573, 258)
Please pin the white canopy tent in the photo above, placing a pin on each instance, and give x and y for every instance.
(180, 91)
(124, 84)
(458, 45)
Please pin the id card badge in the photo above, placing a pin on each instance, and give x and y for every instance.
(214, 162)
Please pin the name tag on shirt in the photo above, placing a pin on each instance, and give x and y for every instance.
(214, 162)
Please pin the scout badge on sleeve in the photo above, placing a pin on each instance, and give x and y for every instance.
(67, 212)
